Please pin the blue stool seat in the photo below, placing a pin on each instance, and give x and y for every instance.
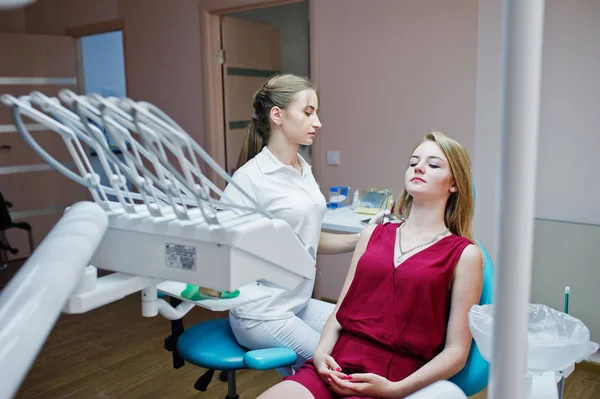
(212, 345)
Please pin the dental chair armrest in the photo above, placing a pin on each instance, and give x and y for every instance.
(268, 359)
(439, 390)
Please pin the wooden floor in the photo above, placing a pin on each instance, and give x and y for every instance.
(114, 352)
(583, 383)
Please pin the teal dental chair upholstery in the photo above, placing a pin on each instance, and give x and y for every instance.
(473, 378)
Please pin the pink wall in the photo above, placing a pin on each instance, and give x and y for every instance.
(163, 58)
(55, 16)
(12, 21)
(389, 71)
(162, 48)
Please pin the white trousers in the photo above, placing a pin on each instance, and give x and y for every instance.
(301, 333)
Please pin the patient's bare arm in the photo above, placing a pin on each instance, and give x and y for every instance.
(324, 363)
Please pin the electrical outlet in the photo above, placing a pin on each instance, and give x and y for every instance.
(333, 157)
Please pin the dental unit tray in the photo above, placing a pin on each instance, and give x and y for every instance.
(174, 226)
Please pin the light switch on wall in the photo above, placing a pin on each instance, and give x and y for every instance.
(333, 157)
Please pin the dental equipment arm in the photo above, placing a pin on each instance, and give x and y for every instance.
(33, 299)
(173, 228)
(165, 221)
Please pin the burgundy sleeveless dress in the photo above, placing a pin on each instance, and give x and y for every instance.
(393, 319)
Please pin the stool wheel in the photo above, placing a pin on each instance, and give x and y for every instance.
(170, 343)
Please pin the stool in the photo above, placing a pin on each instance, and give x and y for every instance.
(212, 345)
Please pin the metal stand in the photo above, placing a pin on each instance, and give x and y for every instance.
(171, 341)
(231, 394)
(523, 32)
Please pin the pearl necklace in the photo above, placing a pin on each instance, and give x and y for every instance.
(402, 253)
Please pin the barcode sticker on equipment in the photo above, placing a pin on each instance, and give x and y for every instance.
(180, 256)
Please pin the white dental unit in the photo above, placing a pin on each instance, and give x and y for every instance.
(172, 230)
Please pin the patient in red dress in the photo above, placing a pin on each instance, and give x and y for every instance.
(401, 320)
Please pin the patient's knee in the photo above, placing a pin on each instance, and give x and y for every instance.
(289, 389)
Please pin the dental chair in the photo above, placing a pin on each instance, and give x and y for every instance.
(473, 378)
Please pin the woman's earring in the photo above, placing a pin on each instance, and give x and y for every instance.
(453, 189)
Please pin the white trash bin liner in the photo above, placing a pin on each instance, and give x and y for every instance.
(556, 339)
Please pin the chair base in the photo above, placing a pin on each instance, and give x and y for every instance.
(205, 379)
(232, 393)
(223, 376)
(229, 376)
(6, 248)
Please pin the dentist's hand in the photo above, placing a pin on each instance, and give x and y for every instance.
(381, 217)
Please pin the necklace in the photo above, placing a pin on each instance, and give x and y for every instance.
(402, 253)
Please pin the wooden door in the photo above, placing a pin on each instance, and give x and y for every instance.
(251, 55)
(39, 194)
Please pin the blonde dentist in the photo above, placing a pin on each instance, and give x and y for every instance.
(272, 171)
